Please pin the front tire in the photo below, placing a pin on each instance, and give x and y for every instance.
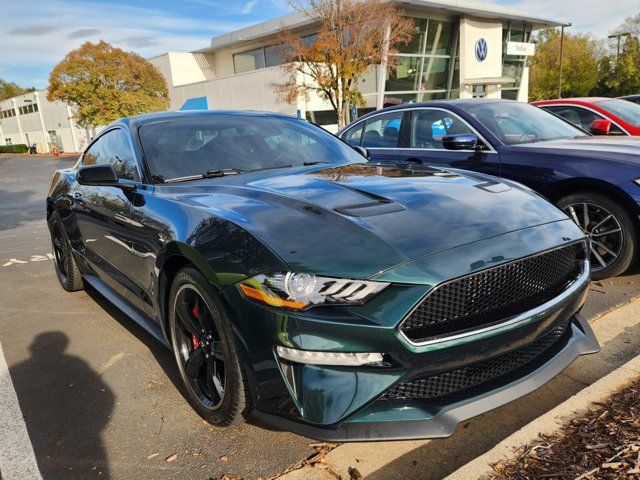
(205, 351)
(613, 233)
(67, 271)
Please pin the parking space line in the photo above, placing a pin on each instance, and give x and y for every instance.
(17, 458)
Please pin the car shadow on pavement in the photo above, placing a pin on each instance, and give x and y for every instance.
(66, 406)
(162, 355)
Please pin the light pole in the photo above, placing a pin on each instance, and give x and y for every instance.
(618, 36)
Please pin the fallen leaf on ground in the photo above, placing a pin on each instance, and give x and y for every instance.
(172, 458)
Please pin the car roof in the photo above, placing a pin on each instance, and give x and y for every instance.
(466, 102)
(139, 120)
(576, 100)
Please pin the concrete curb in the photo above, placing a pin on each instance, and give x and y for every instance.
(551, 421)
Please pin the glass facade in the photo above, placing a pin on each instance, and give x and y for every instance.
(427, 67)
(513, 65)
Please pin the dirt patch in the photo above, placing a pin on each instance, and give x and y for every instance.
(602, 444)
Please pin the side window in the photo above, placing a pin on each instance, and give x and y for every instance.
(582, 117)
(113, 149)
(429, 126)
(354, 136)
(567, 113)
(383, 131)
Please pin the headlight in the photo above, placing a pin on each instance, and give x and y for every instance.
(637, 181)
(302, 290)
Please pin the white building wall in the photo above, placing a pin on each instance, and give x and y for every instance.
(246, 91)
(56, 124)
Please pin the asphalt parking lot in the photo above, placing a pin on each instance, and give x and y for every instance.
(99, 396)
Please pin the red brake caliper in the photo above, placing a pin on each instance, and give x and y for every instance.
(194, 339)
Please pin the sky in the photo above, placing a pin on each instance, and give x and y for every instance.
(36, 34)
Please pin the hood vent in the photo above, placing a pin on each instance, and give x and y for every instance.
(377, 206)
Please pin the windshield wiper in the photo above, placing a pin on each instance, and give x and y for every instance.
(208, 174)
(308, 164)
(221, 172)
(158, 178)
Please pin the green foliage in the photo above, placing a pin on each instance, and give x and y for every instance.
(19, 148)
(10, 89)
(105, 83)
(620, 76)
(580, 74)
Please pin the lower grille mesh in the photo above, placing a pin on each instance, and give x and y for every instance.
(456, 381)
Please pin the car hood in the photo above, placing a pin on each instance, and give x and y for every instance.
(358, 220)
(621, 149)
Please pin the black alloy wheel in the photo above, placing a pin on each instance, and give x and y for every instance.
(199, 347)
(612, 233)
(205, 351)
(67, 271)
(59, 252)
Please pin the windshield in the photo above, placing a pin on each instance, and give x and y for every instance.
(516, 123)
(627, 111)
(195, 145)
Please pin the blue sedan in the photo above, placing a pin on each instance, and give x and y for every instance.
(594, 180)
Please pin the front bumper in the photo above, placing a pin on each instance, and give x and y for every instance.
(441, 421)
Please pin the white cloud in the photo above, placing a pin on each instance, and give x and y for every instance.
(28, 52)
(248, 7)
(586, 16)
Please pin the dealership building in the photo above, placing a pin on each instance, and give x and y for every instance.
(460, 49)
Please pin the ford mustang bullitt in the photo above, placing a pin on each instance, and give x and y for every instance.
(298, 284)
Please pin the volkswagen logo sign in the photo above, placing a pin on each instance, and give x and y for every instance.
(481, 49)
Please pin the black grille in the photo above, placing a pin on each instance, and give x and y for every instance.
(495, 294)
(444, 385)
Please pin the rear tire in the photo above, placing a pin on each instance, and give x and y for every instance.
(206, 352)
(611, 228)
(67, 271)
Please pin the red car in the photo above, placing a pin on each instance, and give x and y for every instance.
(597, 115)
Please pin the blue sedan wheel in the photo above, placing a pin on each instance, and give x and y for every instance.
(613, 235)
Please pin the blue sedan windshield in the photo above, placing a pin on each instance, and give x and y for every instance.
(516, 123)
(179, 148)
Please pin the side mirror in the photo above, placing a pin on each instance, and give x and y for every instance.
(465, 141)
(100, 176)
(600, 126)
(363, 151)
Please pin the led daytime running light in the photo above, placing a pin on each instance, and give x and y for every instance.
(342, 359)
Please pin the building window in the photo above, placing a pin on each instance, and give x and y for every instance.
(249, 60)
(513, 65)
(29, 108)
(427, 67)
(273, 55)
(7, 141)
(270, 56)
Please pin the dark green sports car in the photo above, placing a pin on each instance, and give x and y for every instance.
(299, 284)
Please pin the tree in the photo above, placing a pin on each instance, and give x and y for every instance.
(10, 89)
(105, 83)
(620, 75)
(582, 54)
(353, 36)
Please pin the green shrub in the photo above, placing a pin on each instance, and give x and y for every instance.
(19, 148)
